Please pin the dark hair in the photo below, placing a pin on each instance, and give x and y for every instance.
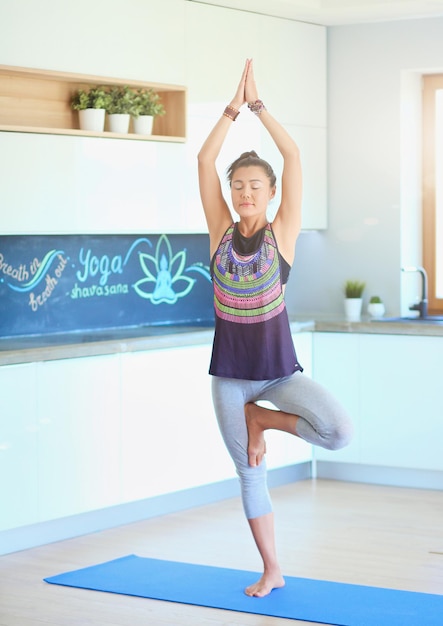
(247, 159)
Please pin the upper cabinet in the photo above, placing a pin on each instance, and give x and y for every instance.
(218, 41)
(293, 63)
(137, 39)
(289, 62)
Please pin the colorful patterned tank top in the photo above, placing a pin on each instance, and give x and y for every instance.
(252, 338)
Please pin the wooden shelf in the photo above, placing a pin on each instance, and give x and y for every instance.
(38, 101)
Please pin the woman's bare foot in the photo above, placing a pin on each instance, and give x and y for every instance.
(265, 585)
(256, 438)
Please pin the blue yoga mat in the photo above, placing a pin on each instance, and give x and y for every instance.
(220, 588)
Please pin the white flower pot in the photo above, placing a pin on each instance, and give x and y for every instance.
(353, 309)
(119, 122)
(143, 124)
(376, 309)
(92, 119)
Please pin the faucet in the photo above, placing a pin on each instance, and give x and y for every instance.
(422, 306)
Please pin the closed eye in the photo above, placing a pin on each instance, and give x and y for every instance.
(255, 184)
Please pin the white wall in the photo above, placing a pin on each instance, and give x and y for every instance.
(374, 180)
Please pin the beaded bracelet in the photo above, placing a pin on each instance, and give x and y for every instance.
(231, 113)
(256, 107)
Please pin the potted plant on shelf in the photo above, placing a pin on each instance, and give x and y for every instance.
(376, 308)
(353, 299)
(147, 106)
(120, 107)
(91, 105)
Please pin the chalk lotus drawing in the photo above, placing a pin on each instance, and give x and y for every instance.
(164, 280)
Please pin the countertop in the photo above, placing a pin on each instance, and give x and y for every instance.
(380, 327)
(15, 350)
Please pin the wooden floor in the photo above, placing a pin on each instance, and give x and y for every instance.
(363, 534)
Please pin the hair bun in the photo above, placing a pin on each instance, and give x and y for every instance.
(248, 159)
(245, 155)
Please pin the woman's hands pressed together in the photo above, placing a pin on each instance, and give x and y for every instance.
(251, 93)
(239, 98)
(247, 88)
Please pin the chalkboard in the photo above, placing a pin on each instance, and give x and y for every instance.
(62, 283)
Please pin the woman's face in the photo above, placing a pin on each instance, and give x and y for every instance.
(251, 191)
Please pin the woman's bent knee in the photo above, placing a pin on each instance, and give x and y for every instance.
(339, 437)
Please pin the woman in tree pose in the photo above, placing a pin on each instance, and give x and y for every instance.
(253, 356)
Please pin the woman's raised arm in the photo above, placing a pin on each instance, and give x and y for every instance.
(217, 213)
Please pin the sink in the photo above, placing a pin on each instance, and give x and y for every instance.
(430, 319)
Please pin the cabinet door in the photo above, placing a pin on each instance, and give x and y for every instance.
(312, 144)
(292, 58)
(170, 438)
(141, 39)
(79, 408)
(336, 366)
(401, 409)
(218, 42)
(390, 385)
(303, 348)
(18, 446)
(283, 449)
(101, 186)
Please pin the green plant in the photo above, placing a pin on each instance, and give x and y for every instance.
(354, 288)
(121, 100)
(375, 300)
(93, 98)
(147, 102)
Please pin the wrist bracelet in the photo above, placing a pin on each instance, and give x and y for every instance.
(231, 113)
(256, 107)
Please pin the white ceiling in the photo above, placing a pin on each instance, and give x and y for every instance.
(335, 12)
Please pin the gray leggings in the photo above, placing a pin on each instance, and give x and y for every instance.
(322, 422)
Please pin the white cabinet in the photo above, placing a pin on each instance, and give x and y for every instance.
(289, 61)
(284, 449)
(292, 61)
(141, 39)
(218, 42)
(390, 384)
(336, 360)
(83, 434)
(401, 408)
(18, 446)
(303, 348)
(170, 439)
(78, 404)
(312, 144)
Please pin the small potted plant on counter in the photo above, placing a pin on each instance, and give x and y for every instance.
(353, 299)
(147, 106)
(120, 107)
(376, 308)
(91, 105)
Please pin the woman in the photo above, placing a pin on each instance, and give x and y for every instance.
(253, 356)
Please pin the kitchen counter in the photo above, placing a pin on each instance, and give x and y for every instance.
(381, 327)
(75, 345)
(14, 350)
